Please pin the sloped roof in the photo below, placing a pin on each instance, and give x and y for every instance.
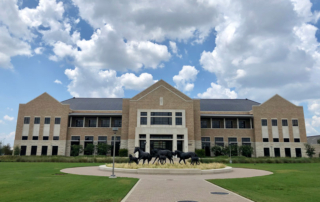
(94, 103)
(227, 104)
(313, 139)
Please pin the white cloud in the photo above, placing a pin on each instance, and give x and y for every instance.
(184, 80)
(315, 121)
(8, 108)
(131, 81)
(1, 121)
(8, 118)
(174, 48)
(217, 91)
(57, 81)
(310, 129)
(39, 50)
(314, 107)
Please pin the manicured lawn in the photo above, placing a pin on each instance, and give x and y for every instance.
(39, 182)
(290, 182)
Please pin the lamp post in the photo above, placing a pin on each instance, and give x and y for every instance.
(115, 129)
(230, 144)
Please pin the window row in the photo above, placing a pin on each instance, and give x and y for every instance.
(277, 153)
(284, 140)
(44, 150)
(37, 138)
(160, 118)
(231, 140)
(274, 122)
(47, 120)
(76, 121)
(226, 123)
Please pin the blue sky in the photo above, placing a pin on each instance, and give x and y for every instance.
(208, 49)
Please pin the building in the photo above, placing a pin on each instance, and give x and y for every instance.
(313, 141)
(161, 117)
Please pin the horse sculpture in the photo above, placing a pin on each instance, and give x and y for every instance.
(195, 160)
(185, 155)
(143, 155)
(157, 153)
(133, 159)
(162, 159)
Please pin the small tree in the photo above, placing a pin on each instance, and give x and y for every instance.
(310, 150)
(1, 149)
(318, 141)
(89, 149)
(16, 150)
(123, 152)
(200, 152)
(234, 150)
(76, 150)
(103, 149)
(6, 149)
(246, 150)
(217, 150)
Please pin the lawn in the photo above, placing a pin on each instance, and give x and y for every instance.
(290, 182)
(42, 182)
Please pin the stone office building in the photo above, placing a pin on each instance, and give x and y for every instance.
(161, 117)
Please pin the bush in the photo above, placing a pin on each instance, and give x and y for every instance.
(89, 149)
(234, 150)
(217, 150)
(200, 152)
(246, 150)
(76, 150)
(318, 141)
(103, 149)
(123, 152)
(6, 149)
(16, 150)
(310, 150)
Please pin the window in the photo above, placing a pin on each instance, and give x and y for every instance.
(89, 138)
(296, 139)
(33, 150)
(37, 120)
(179, 121)
(143, 114)
(102, 139)
(26, 120)
(205, 144)
(294, 122)
(274, 122)
(180, 137)
(178, 113)
(161, 121)
(242, 124)
(161, 136)
(204, 124)
(24, 137)
(142, 136)
(215, 124)
(264, 122)
(161, 113)
(205, 139)
(246, 141)
(286, 139)
(92, 122)
(275, 139)
(35, 138)
(265, 139)
(45, 138)
(54, 150)
(143, 120)
(298, 152)
(55, 137)
(75, 138)
(44, 150)
(23, 150)
(219, 141)
(47, 120)
(118, 138)
(229, 124)
(105, 122)
(284, 122)
(57, 120)
(287, 151)
(232, 141)
(117, 122)
(276, 152)
(79, 122)
(266, 152)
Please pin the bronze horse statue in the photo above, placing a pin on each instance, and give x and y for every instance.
(184, 155)
(167, 153)
(143, 155)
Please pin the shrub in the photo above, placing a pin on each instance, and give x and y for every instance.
(76, 150)
(318, 141)
(89, 149)
(6, 149)
(16, 150)
(309, 150)
(200, 152)
(234, 150)
(123, 152)
(217, 150)
(103, 149)
(246, 150)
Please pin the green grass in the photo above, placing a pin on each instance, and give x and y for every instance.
(39, 182)
(290, 182)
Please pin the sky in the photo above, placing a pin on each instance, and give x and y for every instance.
(207, 49)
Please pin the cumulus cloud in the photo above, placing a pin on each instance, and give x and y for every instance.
(310, 129)
(184, 80)
(217, 91)
(8, 118)
(57, 81)
(174, 48)
(39, 50)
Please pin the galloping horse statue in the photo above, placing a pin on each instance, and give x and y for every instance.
(167, 153)
(184, 155)
(143, 155)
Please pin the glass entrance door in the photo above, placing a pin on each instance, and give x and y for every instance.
(161, 144)
(180, 145)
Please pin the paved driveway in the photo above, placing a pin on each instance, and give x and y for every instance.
(153, 188)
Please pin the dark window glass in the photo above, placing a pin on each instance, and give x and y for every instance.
(75, 138)
(45, 138)
(54, 150)
(117, 122)
(246, 141)
(294, 122)
(265, 139)
(286, 140)
(47, 120)
(92, 122)
(287, 152)
(161, 136)
(205, 139)
(242, 124)
(33, 150)
(178, 121)
(161, 121)
(215, 124)
(284, 122)
(206, 147)
(23, 150)
(26, 120)
(232, 140)
(264, 122)
(143, 120)
(298, 152)
(219, 141)
(105, 122)
(144, 114)
(37, 120)
(79, 123)
(275, 139)
(229, 124)
(57, 120)
(204, 124)
(88, 138)
(296, 139)
(24, 137)
(142, 136)
(44, 150)
(102, 138)
(274, 122)
(161, 113)
(276, 152)
(178, 113)
(35, 138)
(180, 136)
(118, 138)
(266, 152)
(55, 137)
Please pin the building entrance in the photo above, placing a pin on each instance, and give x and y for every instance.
(160, 144)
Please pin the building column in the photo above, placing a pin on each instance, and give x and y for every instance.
(70, 121)
(97, 122)
(84, 121)
(238, 123)
(136, 142)
(211, 123)
(148, 143)
(49, 151)
(224, 123)
(110, 122)
(174, 142)
(250, 123)
(185, 143)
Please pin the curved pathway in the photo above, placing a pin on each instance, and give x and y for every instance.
(175, 187)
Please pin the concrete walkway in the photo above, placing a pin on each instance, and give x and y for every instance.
(176, 187)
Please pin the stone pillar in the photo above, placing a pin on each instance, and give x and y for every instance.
(97, 122)
(224, 123)
(238, 123)
(185, 143)
(136, 142)
(174, 142)
(250, 123)
(70, 121)
(84, 122)
(82, 143)
(148, 143)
